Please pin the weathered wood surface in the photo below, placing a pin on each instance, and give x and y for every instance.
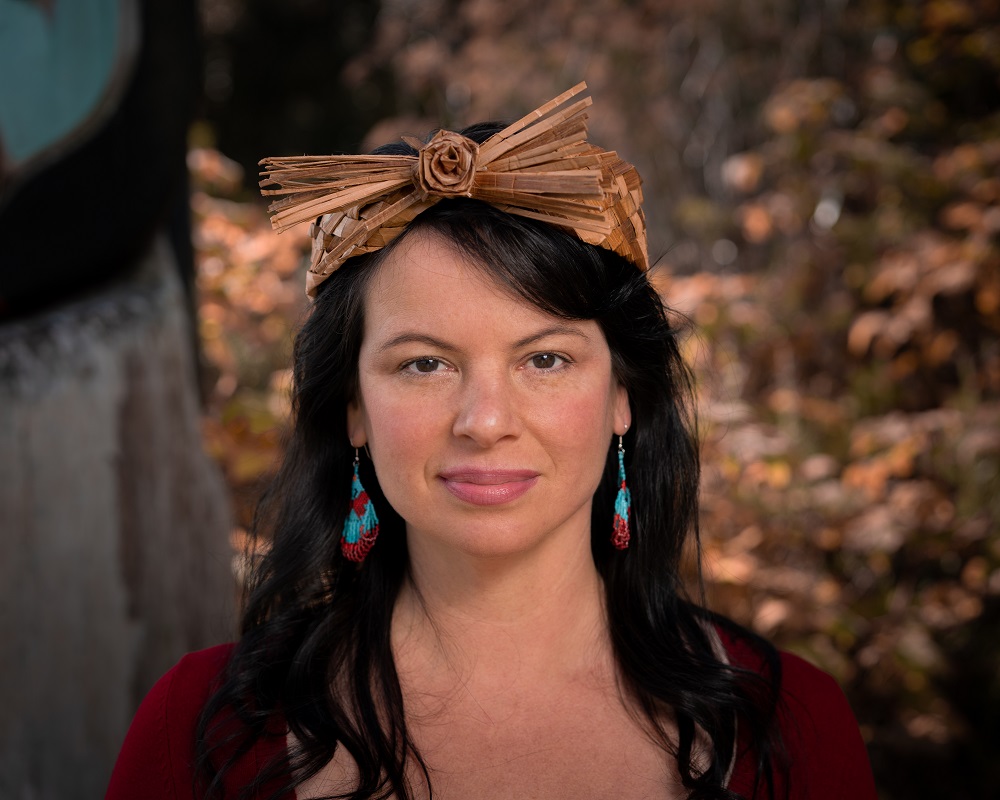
(113, 527)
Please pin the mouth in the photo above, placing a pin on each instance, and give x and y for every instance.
(488, 487)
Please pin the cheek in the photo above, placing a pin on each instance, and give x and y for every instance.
(579, 426)
(401, 437)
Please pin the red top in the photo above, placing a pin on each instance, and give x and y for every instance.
(828, 757)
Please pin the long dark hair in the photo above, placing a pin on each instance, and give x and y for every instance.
(315, 647)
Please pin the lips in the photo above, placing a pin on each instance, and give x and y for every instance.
(488, 487)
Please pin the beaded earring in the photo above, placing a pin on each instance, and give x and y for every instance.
(623, 504)
(361, 525)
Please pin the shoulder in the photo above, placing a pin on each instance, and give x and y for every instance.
(189, 682)
(821, 733)
(826, 755)
(809, 695)
(158, 753)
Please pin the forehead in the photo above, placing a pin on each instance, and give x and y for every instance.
(427, 281)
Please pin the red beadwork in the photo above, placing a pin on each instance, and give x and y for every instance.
(359, 503)
(620, 534)
(356, 552)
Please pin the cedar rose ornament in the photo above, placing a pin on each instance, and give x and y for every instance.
(447, 165)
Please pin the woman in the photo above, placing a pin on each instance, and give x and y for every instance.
(474, 585)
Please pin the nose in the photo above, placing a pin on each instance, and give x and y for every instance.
(487, 409)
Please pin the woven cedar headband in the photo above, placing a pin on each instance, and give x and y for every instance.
(541, 167)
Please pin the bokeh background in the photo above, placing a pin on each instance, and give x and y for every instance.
(822, 183)
(823, 194)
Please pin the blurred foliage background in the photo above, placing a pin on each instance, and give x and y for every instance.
(823, 194)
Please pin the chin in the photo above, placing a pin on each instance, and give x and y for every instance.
(500, 538)
(487, 542)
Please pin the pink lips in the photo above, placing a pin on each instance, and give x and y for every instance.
(488, 487)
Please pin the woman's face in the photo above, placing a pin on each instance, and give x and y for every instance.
(488, 420)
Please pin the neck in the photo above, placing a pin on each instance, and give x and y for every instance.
(533, 617)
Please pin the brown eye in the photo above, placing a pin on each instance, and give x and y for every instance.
(425, 365)
(545, 361)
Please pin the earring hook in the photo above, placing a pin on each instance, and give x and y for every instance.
(365, 446)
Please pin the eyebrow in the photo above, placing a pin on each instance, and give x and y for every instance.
(414, 338)
(552, 330)
(438, 344)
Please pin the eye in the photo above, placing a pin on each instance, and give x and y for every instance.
(546, 361)
(424, 365)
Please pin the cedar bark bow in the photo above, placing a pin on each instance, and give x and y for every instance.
(541, 167)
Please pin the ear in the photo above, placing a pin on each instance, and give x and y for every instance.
(622, 411)
(357, 424)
